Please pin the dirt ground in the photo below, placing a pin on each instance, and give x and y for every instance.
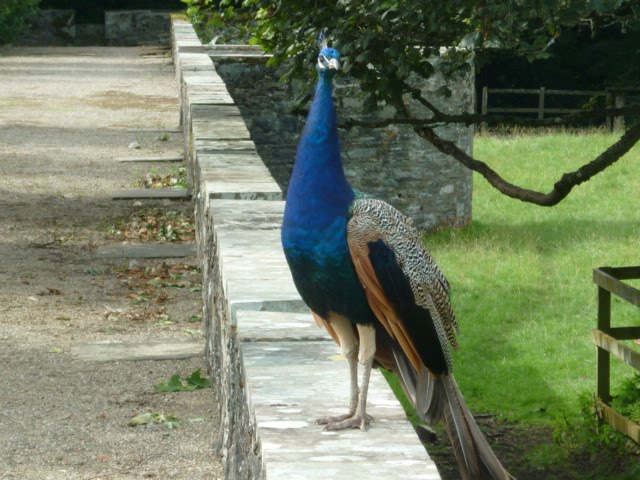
(65, 115)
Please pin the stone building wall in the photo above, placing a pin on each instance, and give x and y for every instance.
(136, 27)
(50, 27)
(392, 163)
(120, 28)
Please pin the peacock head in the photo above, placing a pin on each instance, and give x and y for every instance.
(328, 61)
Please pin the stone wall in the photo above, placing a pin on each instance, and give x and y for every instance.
(392, 163)
(222, 164)
(120, 28)
(136, 27)
(50, 27)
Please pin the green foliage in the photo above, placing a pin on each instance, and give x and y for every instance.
(627, 399)
(206, 15)
(597, 446)
(13, 17)
(386, 43)
(521, 276)
(177, 384)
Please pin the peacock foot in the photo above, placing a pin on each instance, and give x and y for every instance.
(336, 419)
(347, 422)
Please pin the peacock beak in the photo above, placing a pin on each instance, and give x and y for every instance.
(325, 63)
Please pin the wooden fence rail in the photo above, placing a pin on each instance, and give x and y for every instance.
(613, 98)
(609, 340)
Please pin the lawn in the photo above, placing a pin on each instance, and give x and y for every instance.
(521, 275)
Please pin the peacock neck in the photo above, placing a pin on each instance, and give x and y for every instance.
(321, 124)
(318, 182)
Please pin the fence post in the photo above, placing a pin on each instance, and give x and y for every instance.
(485, 104)
(609, 104)
(618, 122)
(603, 357)
(541, 104)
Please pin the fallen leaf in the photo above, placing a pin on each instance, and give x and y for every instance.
(198, 381)
(173, 385)
(172, 425)
(143, 419)
(170, 421)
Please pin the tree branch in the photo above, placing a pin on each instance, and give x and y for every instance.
(471, 119)
(561, 188)
(349, 123)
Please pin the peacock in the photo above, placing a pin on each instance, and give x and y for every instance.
(361, 267)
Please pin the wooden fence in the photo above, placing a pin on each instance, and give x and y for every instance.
(609, 341)
(613, 98)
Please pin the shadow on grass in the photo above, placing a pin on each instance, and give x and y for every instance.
(543, 235)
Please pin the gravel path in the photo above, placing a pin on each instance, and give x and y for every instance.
(65, 114)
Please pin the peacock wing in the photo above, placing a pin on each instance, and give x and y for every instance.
(405, 288)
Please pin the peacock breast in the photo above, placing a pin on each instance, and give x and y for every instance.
(323, 271)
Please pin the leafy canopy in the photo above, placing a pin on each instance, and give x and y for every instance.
(385, 42)
(387, 47)
(13, 17)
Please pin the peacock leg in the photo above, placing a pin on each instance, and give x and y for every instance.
(360, 419)
(349, 344)
(352, 358)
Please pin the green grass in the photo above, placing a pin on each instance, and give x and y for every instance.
(521, 274)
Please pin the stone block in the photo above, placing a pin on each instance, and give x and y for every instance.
(119, 351)
(152, 194)
(287, 373)
(136, 27)
(50, 28)
(254, 273)
(148, 250)
(291, 384)
(278, 327)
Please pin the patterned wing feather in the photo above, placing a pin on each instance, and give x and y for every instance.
(404, 286)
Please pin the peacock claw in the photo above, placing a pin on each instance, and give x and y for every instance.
(336, 419)
(347, 422)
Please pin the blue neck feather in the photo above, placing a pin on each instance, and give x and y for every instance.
(319, 191)
(314, 231)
